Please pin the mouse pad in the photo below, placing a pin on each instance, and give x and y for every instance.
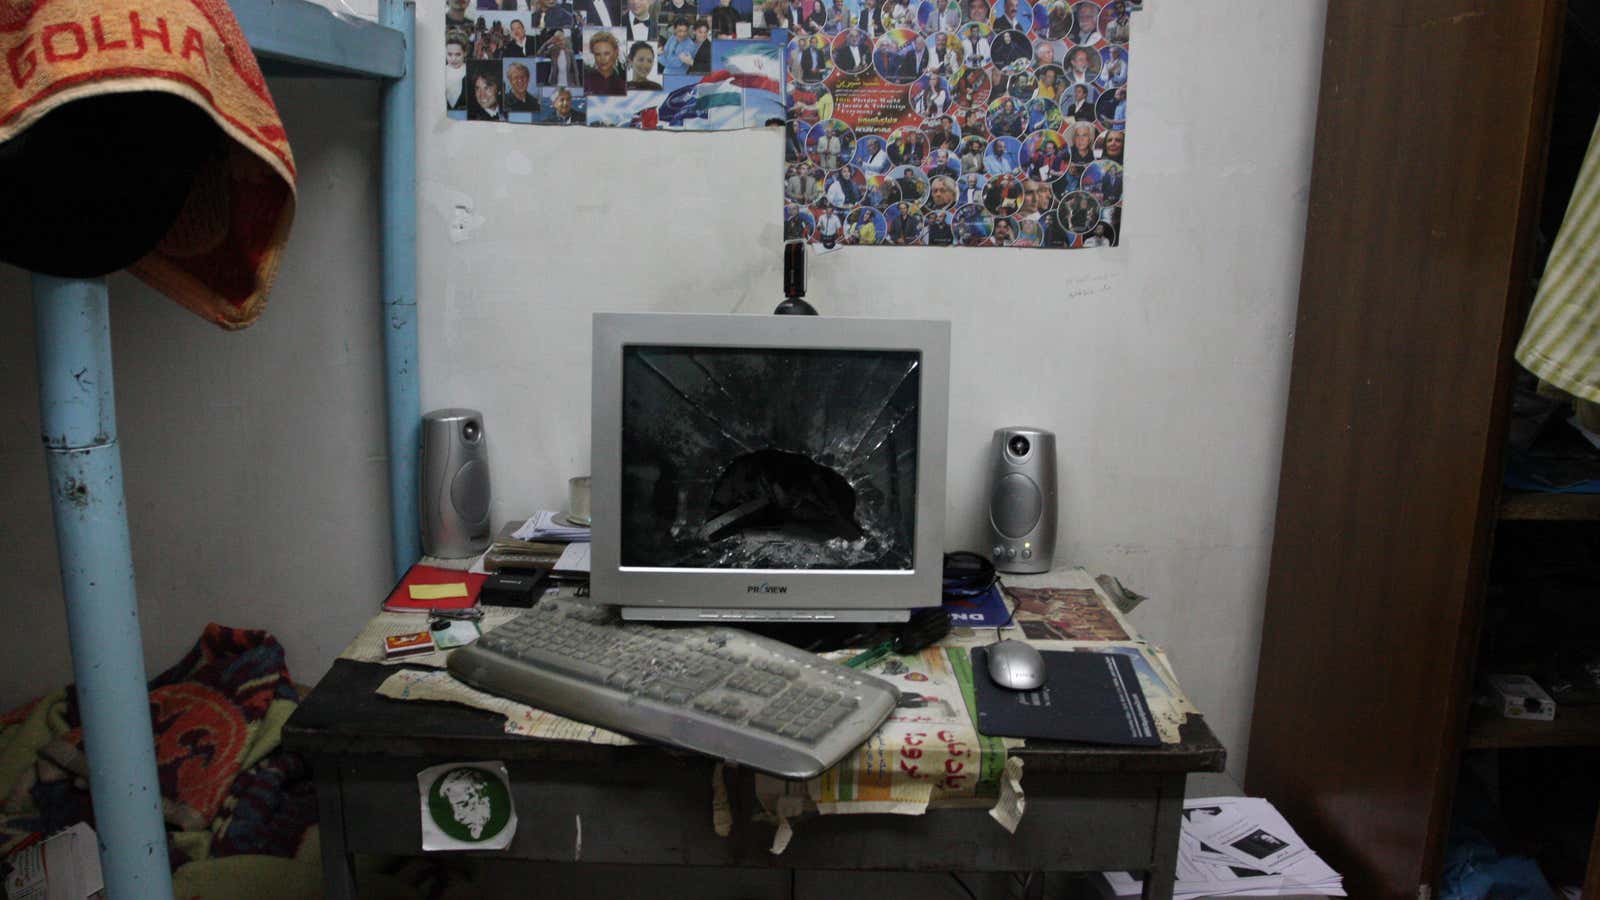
(1090, 697)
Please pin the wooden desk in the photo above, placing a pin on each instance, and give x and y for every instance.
(1089, 808)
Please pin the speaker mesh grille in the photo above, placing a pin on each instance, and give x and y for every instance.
(1016, 505)
(469, 491)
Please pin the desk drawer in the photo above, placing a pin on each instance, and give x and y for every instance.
(579, 812)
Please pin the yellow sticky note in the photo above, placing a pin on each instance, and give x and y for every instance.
(438, 591)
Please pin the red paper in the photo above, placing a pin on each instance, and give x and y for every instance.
(400, 598)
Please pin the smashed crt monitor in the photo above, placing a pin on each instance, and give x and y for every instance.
(770, 467)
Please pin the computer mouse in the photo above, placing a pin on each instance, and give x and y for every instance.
(1016, 665)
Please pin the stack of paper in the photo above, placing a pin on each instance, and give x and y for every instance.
(548, 526)
(64, 866)
(1238, 846)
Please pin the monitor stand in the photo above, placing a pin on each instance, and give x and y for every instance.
(741, 616)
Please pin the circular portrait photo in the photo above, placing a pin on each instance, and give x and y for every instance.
(830, 144)
(931, 95)
(798, 223)
(1048, 53)
(1080, 143)
(1103, 182)
(1112, 107)
(1003, 195)
(908, 146)
(872, 154)
(1052, 20)
(1028, 234)
(1085, 23)
(905, 224)
(941, 162)
(1082, 66)
(974, 227)
(841, 16)
(1044, 114)
(1044, 155)
(970, 154)
(942, 192)
(1113, 67)
(942, 132)
(1021, 84)
(973, 39)
(945, 56)
(1078, 213)
(1013, 15)
(864, 225)
(972, 88)
(1049, 83)
(912, 183)
(1010, 50)
(1003, 156)
(970, 188)
(830, 226)
(938, 15)
(1002, 231)
(1008, 117)
(975, 121)
(900, 56)
(844, 188)
(810, 58)
(1114, 22)
(882, 192)
(897, 14)
(802, 183)
(806, 16)
(977, 11)
(940, 227)
(810, 103)
(1037, 200)
(852, 51)
(1101, 235)
(1110, 145)
(1077, 103)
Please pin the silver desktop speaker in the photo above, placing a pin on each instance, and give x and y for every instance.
(1022, 499)
(454, 472)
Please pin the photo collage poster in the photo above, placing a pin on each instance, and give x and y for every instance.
(693, 65)
(979, 123)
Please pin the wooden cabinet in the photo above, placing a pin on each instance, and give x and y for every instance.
(1429, 152)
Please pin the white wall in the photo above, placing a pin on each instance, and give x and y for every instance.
(254, 461)
(256, 465)
(1162, 365)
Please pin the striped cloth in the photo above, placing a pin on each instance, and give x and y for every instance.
(1561, 343)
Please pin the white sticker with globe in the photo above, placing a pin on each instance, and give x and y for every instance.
(467, 806)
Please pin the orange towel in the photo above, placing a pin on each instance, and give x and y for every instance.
(221, 251)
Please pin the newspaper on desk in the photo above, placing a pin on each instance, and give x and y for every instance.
(1072, 611)
(927, 753)
(434, 684)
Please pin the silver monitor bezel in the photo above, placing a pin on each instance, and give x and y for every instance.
(787, 594)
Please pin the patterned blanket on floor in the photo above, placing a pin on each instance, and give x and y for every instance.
(227, 787)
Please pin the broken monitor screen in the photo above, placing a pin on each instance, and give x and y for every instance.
(739, 458)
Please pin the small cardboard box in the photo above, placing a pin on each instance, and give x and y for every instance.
(1521, 698)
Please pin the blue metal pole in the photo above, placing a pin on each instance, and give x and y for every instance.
(77, 409)
(398, 214)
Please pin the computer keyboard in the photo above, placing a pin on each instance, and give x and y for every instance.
(724, 692)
